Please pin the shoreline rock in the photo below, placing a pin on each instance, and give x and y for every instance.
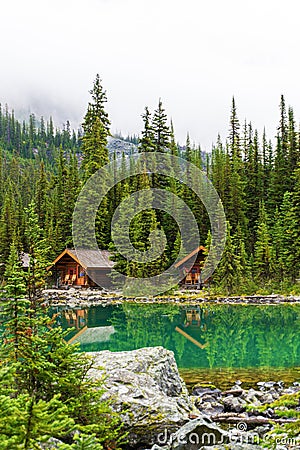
(74, 298)
(145, 387)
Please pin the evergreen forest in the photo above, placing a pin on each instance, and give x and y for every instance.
(257, 177)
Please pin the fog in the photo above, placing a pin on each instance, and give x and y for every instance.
(195, 55)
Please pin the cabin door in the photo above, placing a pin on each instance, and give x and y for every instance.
(72, 274)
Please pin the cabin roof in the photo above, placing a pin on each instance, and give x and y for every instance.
(88, 259)
(96, 334)
(186, 258)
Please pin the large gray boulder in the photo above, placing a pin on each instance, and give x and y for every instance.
(146, 389)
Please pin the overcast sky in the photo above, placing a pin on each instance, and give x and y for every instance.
(194, 54)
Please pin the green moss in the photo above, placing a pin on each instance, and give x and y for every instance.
(283, 407)
(204, 385)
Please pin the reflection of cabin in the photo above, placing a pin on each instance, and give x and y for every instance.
(191, 271)
(76, 318)
(90, 327)
(93, 335)
(192, 317)
(73, 267)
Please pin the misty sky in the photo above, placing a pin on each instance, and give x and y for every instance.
(194, 54)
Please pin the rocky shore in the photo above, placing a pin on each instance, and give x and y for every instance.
(158, 412)
(92, 297)
(156, 408)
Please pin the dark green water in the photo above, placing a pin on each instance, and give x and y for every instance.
(213, 343)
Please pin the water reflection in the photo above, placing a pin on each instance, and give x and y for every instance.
(193, 319)
(210, 337)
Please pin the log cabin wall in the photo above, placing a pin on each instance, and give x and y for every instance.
(70, 272)
(193, 272)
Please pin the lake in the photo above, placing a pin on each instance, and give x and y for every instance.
(211, 343)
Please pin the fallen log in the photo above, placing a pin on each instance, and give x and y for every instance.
(223, 418)
(234, 392)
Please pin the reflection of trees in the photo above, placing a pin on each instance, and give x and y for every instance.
(238, 335)
(249, 336)
(228, 337)
(143, 326)
(278, 339)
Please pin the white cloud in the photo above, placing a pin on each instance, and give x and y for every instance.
(194, 55)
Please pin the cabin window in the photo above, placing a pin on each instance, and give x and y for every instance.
(81, 272)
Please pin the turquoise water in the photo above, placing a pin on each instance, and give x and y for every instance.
(218, 343)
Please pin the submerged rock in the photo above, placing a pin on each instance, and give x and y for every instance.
(203, 389)
(146, 389)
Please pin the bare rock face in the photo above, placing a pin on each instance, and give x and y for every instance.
(146, 389)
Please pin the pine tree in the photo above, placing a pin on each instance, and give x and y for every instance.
(240, 250)
(236, 196)
(253, 186)
(280, 175)
(120, 251)
(218, 173)
(95, 153)
(161, 130)
(38, 250)
(25, 424)
(234, 133)
(295, 198)
(16, 305)
(173, 146)
(146, 143)
(96, 131)
(188, 150)
(289, 221)
(293, 150)
(8, 223)
(229, 271)
(96, 107)
(277, 242)
(50, 132)
(143, 237)
(72, 186)
(263, 251)
(41, 195)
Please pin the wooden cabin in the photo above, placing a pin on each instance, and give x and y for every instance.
(82, 268)
(192, 271)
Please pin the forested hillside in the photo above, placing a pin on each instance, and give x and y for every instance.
(258, 180)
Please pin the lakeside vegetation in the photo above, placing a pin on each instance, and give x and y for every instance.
(45, 389)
